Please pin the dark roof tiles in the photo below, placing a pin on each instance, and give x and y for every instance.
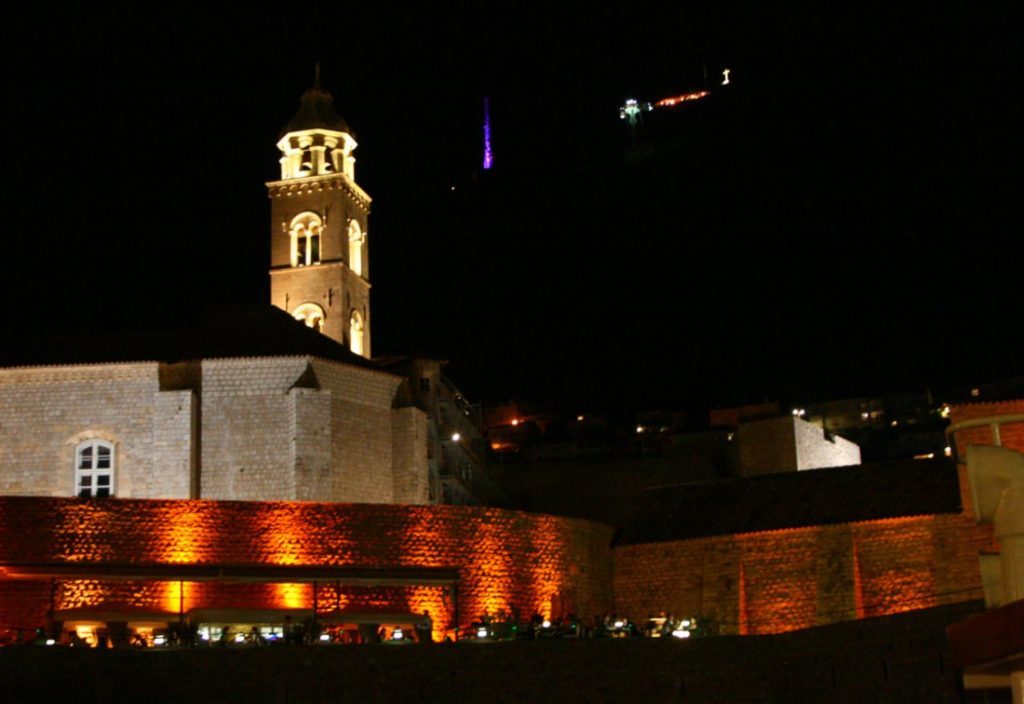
(221, 332)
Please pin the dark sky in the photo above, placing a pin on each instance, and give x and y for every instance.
(843, 219)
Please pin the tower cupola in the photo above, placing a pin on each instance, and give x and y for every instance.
(317, 141)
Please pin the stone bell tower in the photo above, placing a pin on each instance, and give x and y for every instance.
(318, 255)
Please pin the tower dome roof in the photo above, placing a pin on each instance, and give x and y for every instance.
(316, 111)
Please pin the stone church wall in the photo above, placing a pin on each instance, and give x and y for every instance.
(247, 433)
(409, 466)
(361, 431)
(277, 428)
(46, 411)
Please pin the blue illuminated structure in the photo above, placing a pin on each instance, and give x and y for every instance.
(488, 154)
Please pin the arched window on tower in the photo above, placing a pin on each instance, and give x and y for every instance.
(311, 314)
(305, 233)
(355, 333)
(356, 238)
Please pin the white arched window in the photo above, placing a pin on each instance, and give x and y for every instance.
(305, 231)
(311, 314)
(94, 469)
(355, 333)
(356, 239)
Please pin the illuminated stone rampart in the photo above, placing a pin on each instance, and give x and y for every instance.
(506, 560)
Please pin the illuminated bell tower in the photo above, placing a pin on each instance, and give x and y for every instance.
(318, 257)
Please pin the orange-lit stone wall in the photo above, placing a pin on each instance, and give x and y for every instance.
(506, 559)
(1011, 434)
(783, 580)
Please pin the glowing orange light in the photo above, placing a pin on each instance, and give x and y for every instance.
(181, 534)
(282, 532)
(431, 600)
(494, 569)
(685, 97)
(289, 595)
(545, 579)
(179, 597)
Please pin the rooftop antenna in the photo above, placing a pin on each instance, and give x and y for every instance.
(316, 75)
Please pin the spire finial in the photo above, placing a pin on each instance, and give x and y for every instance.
(316, 76)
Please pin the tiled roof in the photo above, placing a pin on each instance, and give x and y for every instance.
(795, 499)
(222, 331)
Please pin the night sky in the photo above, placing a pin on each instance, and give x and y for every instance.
(843, 219)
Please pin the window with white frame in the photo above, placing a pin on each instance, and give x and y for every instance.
(94, 469)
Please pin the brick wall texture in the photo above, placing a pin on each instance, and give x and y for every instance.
(1011, 433)
(506, 559)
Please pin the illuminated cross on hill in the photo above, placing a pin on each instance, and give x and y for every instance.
(631, 113)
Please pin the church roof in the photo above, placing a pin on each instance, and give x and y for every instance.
(316, 111)
(795, 500)
(220, 332)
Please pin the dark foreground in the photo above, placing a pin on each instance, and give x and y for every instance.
(898, 658)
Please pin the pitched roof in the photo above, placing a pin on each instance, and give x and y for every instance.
(794, 500)
(221, 332)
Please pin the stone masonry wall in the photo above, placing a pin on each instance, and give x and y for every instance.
(265, 435)
(505, 559)
(1011, 434)
(173, 472)
(814, 450)
(247, 429)
(46, 411)
(311, 444)
(784, 580)
(361, 432)
(409, 462)
(767, 446)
